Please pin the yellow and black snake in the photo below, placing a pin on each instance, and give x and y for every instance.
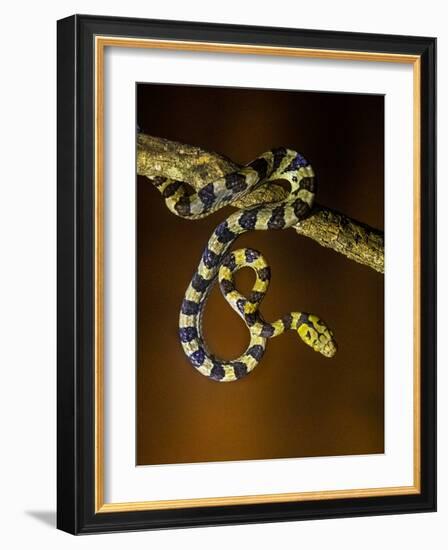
(218, 263)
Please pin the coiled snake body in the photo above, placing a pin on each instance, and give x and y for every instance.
(218, 263)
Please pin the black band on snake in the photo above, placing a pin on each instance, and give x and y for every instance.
(218, 263)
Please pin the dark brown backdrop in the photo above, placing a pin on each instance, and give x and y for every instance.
(296, 403)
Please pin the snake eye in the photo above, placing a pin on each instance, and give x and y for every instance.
(294, 179)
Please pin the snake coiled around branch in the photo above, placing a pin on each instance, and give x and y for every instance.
(218, 263)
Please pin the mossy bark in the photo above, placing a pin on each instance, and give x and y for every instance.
(355, 240)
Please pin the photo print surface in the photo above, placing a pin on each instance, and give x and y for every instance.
(289, 394)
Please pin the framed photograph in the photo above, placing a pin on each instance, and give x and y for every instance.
(246, 274)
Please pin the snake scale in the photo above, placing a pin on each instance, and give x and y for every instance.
(218, 263)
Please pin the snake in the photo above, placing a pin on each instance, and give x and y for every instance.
(218, 263)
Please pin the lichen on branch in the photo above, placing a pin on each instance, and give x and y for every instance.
(331, 229)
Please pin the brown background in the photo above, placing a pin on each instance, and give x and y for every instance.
(295, 403)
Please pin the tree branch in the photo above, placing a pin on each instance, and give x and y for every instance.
(355, 240)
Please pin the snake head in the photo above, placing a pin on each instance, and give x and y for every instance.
(316, 334)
